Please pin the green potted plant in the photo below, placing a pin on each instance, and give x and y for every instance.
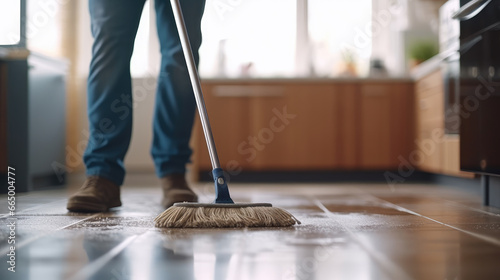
(421, 51)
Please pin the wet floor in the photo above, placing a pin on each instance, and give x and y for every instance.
(348, 231)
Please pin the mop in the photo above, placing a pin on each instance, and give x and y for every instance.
(223, 212)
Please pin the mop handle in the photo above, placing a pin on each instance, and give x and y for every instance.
(195, 82)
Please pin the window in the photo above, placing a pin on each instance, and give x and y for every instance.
(340, 36)
(10, 22)
(284, 38)
(279, 38)
(248, 38)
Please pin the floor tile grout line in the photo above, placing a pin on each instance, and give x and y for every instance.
(26, 242)
(31, 208)
(389, 266)
(94, 266)
(402, 209)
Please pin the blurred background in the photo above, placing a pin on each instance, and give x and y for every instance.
(361, 81)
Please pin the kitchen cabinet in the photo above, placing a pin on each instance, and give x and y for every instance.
(440, 151)
(375, 136)
(229, 118)
(307, 125)
(283, 126)
(268, 126)
(386, 112)
(32, 97)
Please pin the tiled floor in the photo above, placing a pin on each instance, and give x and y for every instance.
(348, 231)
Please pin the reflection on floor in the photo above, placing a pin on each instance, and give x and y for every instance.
(348, 231)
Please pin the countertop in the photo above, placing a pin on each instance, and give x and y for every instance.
(417, 73)
(426, 67)
(308, 79)
(13, 53)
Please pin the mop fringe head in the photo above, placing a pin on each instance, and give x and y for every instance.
(222, 215)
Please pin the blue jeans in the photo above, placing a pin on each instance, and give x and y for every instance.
(114, 25)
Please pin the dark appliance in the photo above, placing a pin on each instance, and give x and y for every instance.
(480, 88)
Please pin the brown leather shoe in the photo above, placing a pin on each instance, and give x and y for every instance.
(96, 195)
(176, 189)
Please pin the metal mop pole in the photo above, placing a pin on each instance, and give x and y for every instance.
(221, 189)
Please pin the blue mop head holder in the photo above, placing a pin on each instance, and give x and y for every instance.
(221, 189)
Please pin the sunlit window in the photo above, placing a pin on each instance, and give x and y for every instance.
(248, 38)
(340, 36)
(261, 38)
(44, 33)
(10, 22)
(278, 38)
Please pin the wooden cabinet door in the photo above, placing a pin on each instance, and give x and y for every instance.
(228, 111)
(432, 151)
(442, 153)
(386, 132)
(402, 121)
(375, 130)
(299, 128)
(429, 122)
(308, 125)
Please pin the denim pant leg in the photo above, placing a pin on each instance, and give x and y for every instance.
(175, 103)
(114, 25)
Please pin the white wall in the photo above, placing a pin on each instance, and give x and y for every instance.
(138, 157)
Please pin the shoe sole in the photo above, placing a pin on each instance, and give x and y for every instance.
(89, 207)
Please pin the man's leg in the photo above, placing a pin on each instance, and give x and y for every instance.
(114, 26)
(175, 103)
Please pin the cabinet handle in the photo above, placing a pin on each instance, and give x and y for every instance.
(248, 91)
